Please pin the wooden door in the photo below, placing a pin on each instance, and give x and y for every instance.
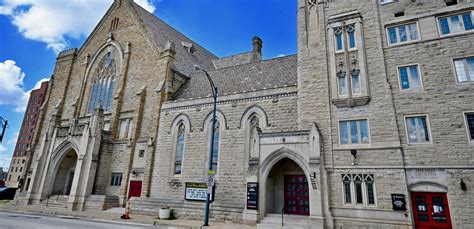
(135, 189)
(430, 210)
(296, 195)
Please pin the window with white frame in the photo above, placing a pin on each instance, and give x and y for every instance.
(116, 179)
(358, 189)
(179, 153)
(455, 23)
(403, 33)
(464, 69)
(385, 1)
(470, 125)
(125, 128)
(354, 132)
(417, 129)
(409, 77)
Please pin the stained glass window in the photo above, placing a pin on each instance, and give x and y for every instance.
(179, 149)
(104, 83)
(215, 153)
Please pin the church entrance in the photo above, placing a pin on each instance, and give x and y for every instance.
(431, 210)
(296, 195)
(65, 174)
(287, 189)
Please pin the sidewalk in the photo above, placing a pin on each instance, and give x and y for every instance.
(114, 216)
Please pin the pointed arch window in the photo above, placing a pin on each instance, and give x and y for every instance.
(178, 161)
(215, 153)
(104, 83)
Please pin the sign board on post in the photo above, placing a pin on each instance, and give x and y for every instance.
(398, 202)
(252, 195)
(197, 191)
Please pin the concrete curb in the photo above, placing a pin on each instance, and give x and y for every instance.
(91, 219)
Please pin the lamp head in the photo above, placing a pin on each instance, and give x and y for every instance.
(354, 153)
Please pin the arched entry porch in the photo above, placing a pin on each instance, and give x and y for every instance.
(284, 176)
(65, 174)
(287, 189)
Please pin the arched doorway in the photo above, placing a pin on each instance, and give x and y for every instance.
(65, 174)
(287, 189)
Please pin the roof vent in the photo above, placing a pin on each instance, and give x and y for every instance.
(189, 47)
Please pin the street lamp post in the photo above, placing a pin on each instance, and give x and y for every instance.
(3, 124)
(211, 151)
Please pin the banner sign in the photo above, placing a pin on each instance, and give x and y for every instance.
(252, 196)
(197, 191)
(398, 202)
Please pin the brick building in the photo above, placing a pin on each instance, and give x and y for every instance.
(21, 159)
(369, 125)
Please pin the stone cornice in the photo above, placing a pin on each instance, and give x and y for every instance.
(198, 103)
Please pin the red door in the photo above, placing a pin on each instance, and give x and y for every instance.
(296, 195)
(135, 189)
(430, 210)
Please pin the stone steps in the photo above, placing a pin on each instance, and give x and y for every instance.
(289, 222)
(101, 202)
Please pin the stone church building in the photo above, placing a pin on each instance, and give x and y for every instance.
(370, 124)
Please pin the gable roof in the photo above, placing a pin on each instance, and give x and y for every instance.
(268, 74)
(160, 33)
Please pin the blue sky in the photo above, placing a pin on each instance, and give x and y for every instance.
(33, 31)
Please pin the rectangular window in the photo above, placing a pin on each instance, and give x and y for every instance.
(470, 125)
(354, 132)
(409, 77)
(339, 43)
(355, 80)
(464, 69)
(385, 1)
(116, 179)
(402, 33)
(141, 153)
(417, 129)
(455, 23)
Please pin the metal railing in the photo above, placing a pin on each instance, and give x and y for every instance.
(282, 213)
(57, 193)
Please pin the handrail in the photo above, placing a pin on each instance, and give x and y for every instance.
(57, 195)
(282, 213)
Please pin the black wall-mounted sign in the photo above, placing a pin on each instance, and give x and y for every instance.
(252, 196)
(398, 202)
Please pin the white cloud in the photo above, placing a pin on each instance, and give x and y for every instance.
(11, 88)
(3, 149)
(5, 162)
(54, 22)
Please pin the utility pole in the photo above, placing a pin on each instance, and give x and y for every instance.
(3, 125)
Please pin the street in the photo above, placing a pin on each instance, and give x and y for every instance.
(31, 221)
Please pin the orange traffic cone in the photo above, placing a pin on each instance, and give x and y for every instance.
(127, 211)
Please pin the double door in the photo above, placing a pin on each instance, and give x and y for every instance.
(430, 210)
(296, 195)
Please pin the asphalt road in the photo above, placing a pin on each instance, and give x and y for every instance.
(17, 220)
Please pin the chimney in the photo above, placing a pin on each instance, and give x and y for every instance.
(257, 44)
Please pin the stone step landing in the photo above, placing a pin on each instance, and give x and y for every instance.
(101, 202)
(289, 222)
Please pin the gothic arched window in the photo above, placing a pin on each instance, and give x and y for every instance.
(104, 82)
(178, 161)
(215, 153)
